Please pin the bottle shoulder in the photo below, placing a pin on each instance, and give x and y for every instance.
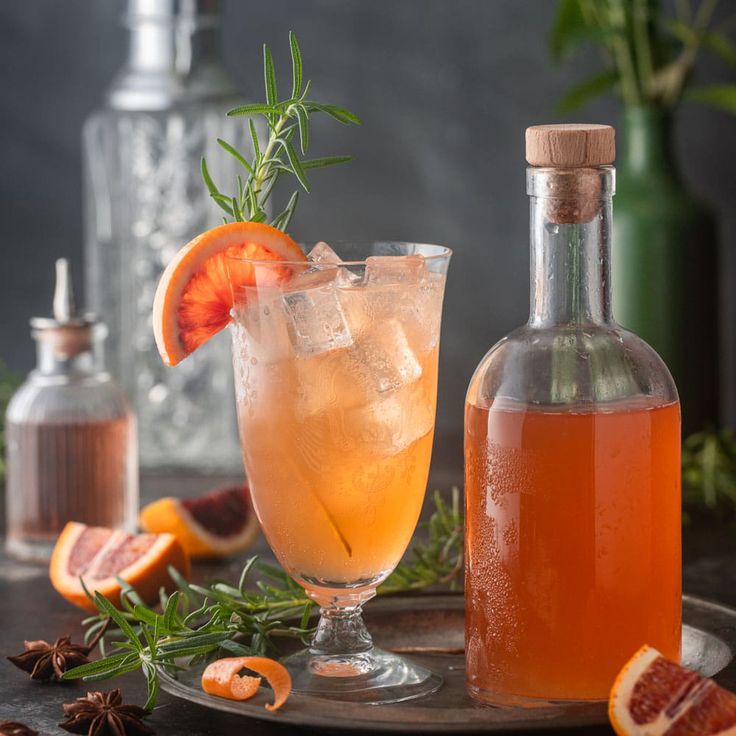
(61, 398)
(575, 364)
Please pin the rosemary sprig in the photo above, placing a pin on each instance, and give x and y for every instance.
(196, 623)
(285, 119)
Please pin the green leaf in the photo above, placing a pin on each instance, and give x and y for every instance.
(107, 664)
(303, 120)
(207, 178)
(244, 574)
(235, 154)
(296, 65)
(720, 96)
(269, 77)
(130, 666)
(338, 113)
(568, 29)
(106, 607)
(256, 144)
(296, 165)
(170, 611)
(281, 222)
(257, 108)
(721, 45)
(236, 648)
(319, 163)
(237, 212)
(582, 92)
(219, 198)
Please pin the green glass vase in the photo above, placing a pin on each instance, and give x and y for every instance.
(665, 262)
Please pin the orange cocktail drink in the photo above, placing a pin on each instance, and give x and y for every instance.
(336, 383)
(573, 532)
(338, 462)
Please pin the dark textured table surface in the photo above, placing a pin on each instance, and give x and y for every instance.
(31, 609)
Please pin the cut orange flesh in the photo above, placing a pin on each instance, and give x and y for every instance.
(216, 524)
(99, 556)
(195, 294)
(222, 678)
(653, 696)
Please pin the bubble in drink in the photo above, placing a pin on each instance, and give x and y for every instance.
(395, 269)
(315, 320)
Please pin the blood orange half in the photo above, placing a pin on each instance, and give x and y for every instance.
(99, 556)
(194, 296)
(653, 696)
(216, 524)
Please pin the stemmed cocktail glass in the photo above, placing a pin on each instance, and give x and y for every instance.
(336, 380)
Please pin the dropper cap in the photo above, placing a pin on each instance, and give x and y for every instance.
(64, 307)
(68, 332)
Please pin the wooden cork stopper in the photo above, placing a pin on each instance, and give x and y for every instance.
(570, 146)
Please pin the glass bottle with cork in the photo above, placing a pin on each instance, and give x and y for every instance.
(71, 435)
(572, 460)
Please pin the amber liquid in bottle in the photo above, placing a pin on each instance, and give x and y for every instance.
(572, 474)
(77, 471)
(71, 436)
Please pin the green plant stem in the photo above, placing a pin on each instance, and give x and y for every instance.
(641, 22)
(623, 53)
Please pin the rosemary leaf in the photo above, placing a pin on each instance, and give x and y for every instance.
(296, 65)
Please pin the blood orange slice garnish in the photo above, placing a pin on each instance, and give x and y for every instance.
(195, 294)
(653, 696)
(99, 556)
(217, 524)
(223, 678)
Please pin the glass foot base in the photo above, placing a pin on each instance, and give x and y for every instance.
(508, 700)
(371, 677)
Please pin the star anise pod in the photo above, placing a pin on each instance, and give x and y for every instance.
(12, 728)
(103, 714)
(47, 661)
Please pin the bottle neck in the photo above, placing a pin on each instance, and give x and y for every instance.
(69, 352)
(174, 45)
(174, 57)
(570, 249)
(647, 145)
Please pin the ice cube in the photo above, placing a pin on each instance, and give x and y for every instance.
(263, 334)
(384, 359)
(316, 321)
(322, 253)
(389, 425)
(395, 269)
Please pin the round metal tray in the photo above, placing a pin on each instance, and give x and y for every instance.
(418, 624)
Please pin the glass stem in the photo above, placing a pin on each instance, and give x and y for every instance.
(341, 631)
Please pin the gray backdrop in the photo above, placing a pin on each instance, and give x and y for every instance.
(445, 87)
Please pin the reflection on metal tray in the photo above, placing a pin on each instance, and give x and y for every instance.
(420, 626)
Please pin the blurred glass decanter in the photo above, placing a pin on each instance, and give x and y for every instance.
(144, 198)
(71, 439)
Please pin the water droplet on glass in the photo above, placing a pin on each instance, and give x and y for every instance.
(552, 228)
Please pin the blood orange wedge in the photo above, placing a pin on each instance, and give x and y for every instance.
(195, 294)
(223, 678)
(654, 696)
(217, 524)
(99, 555)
